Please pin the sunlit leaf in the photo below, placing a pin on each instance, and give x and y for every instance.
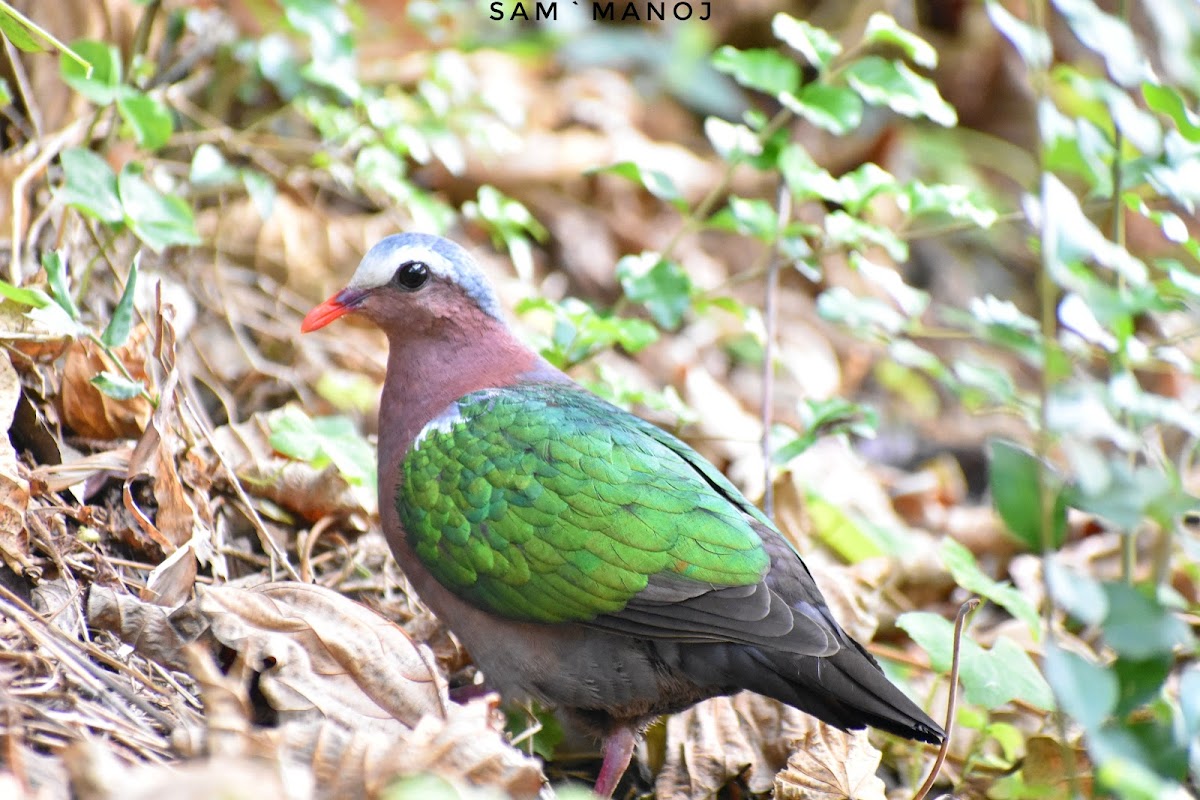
(883, 29)
(893, 84)
(968, 575)
(90, 185)
(816, 45)
(118, 387)
(104, 84)
(836, 109)
(764, 70)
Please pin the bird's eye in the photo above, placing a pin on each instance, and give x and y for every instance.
(411, 276)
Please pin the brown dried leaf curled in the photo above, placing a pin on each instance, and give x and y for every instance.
(151, 629)
(89, 412)
(710, 744)
(467, 745)
(320, 654)
(830, 764)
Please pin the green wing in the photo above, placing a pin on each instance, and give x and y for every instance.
(541, 502)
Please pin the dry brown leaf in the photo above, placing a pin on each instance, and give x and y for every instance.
(296, 486)
(1046, 766)
(89, 412)
(321, 654)
(151, 629)
(96, 774)
(468, 744)
(713, 742)
(303, 246)
(829, 764)
(14, 489)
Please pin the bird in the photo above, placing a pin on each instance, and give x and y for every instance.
(586, 558)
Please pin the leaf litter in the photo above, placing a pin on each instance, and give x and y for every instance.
(162, 651)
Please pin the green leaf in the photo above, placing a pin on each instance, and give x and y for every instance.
(104, 84)
(836, 109)
(827, 418)
(118, 387)
(579, 332)
(1084, 690)
(1167, 100)
(261, 190)
(968, 575)
(893, 84)
(805, 178)
(324, 440)
(883, 29)
(1141, 680)
(868, 315)
(817, 46)
(1013, 480)
(56, 275)
(160, 220)
(949, 199)
(1032, 44)
(117, 330)
(656, 182)
(990, 678)
(848, 534)
(731, 141)
(90, 185)
(763, 70)
(1080, 595)
(151, 121)
(663, 286)
(209, 167)
(35, 298)
(1189, 700)
(15, 30)
(854, 232)
(509, 223)
(1138, 626)
(750, 216)
(1109, 37)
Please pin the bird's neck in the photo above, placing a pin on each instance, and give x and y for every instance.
(427, 373)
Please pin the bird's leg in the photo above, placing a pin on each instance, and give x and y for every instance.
(618, 750)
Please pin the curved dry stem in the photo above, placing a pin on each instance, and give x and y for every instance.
(959, 623)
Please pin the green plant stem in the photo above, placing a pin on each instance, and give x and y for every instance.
(960, 622)
(141, 36)
(46, 36)
(697, 215)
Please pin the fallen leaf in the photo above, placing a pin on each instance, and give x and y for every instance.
(829, 764)
(14, 489)
(296, 486)
(711, 743)
(318, 653)
(467, 744)
(88, 411)
(151, 629)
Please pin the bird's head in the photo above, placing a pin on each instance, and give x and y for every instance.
(413, 284)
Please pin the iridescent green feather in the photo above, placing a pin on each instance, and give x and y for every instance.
(542, 502)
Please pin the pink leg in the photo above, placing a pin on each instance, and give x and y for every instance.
(618, 750)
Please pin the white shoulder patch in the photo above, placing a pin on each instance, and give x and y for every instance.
(442, 423)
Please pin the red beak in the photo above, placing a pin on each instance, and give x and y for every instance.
(341, 303)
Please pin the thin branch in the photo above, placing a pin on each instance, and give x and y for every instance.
(959, 623)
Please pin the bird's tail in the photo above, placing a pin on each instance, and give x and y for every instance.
(847, 690)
